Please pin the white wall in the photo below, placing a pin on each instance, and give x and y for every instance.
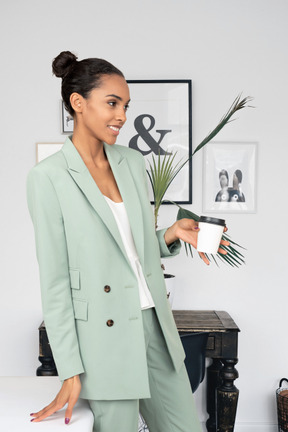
(225, 47)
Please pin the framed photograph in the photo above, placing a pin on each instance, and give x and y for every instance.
(44, 150)
(229, 177)
(158, 124)
(67, 121)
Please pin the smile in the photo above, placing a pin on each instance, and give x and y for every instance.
(115, 129)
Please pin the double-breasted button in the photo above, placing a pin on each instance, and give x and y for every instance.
(110, 323)
(107, 288)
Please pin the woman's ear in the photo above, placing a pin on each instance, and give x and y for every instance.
(76, 101)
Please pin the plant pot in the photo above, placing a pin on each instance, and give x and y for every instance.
(170, 287)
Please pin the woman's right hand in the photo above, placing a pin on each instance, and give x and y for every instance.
(69, 393)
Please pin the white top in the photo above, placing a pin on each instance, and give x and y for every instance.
(121, 218)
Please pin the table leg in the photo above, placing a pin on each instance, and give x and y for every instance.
(47, 367)
(227, 397)
(213, 382)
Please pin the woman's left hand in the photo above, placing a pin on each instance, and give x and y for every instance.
(69, 393)
(187, 230)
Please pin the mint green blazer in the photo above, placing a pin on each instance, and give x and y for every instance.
(86, 279)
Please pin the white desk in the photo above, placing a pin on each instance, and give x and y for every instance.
(20, 396)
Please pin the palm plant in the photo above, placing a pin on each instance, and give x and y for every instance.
(162, 173)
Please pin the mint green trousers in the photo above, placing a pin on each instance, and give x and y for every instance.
(171, 407)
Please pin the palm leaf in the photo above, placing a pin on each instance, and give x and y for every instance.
(162, 173)
(236, 106)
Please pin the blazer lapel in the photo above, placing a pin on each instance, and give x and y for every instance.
(82, 177)
(123, 177)
(127, 188)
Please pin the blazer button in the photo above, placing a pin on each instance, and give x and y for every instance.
(107, 288)
(110, 323)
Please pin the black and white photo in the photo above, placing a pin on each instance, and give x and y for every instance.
(66, 120)
(229, 179)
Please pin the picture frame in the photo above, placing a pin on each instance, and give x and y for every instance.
(159, 119)
(67, 122)
(44, 150)
(229, 177)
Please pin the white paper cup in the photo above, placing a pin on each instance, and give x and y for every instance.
(210, 234)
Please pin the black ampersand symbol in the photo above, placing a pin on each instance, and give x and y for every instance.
(143, 132)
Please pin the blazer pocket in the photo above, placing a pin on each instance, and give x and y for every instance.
(74, 278)
(80, 309)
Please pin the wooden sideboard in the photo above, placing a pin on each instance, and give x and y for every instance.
(222, 348)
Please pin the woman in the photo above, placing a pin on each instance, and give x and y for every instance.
(109, 324)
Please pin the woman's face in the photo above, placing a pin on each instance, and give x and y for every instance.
(104, 111)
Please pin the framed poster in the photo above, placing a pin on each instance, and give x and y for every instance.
(229, 177)
(44, 150)
(67, 121)
(158, 124)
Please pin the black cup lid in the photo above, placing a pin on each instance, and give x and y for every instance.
(212, 220)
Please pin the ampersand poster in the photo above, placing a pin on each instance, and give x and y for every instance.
(158, 124)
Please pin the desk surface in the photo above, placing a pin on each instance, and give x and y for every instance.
(19, 396)
(204, 321)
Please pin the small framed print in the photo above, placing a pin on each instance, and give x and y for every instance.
(44, 150)
(159, 122)
(67, 121)
(229, 177)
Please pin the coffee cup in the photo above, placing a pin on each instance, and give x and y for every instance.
(210, 234)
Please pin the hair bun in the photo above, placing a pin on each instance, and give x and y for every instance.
(63, 63)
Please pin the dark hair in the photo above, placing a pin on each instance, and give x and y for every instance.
(80, 76)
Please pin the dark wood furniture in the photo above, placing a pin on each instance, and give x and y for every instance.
(222, 345)
(47, 367)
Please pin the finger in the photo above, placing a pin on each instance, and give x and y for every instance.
(47, 413)
(39, 413)
(204, 258)
(222, 251)
(72, 401)
(68, 413)
(53, 407)
(225, 243)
